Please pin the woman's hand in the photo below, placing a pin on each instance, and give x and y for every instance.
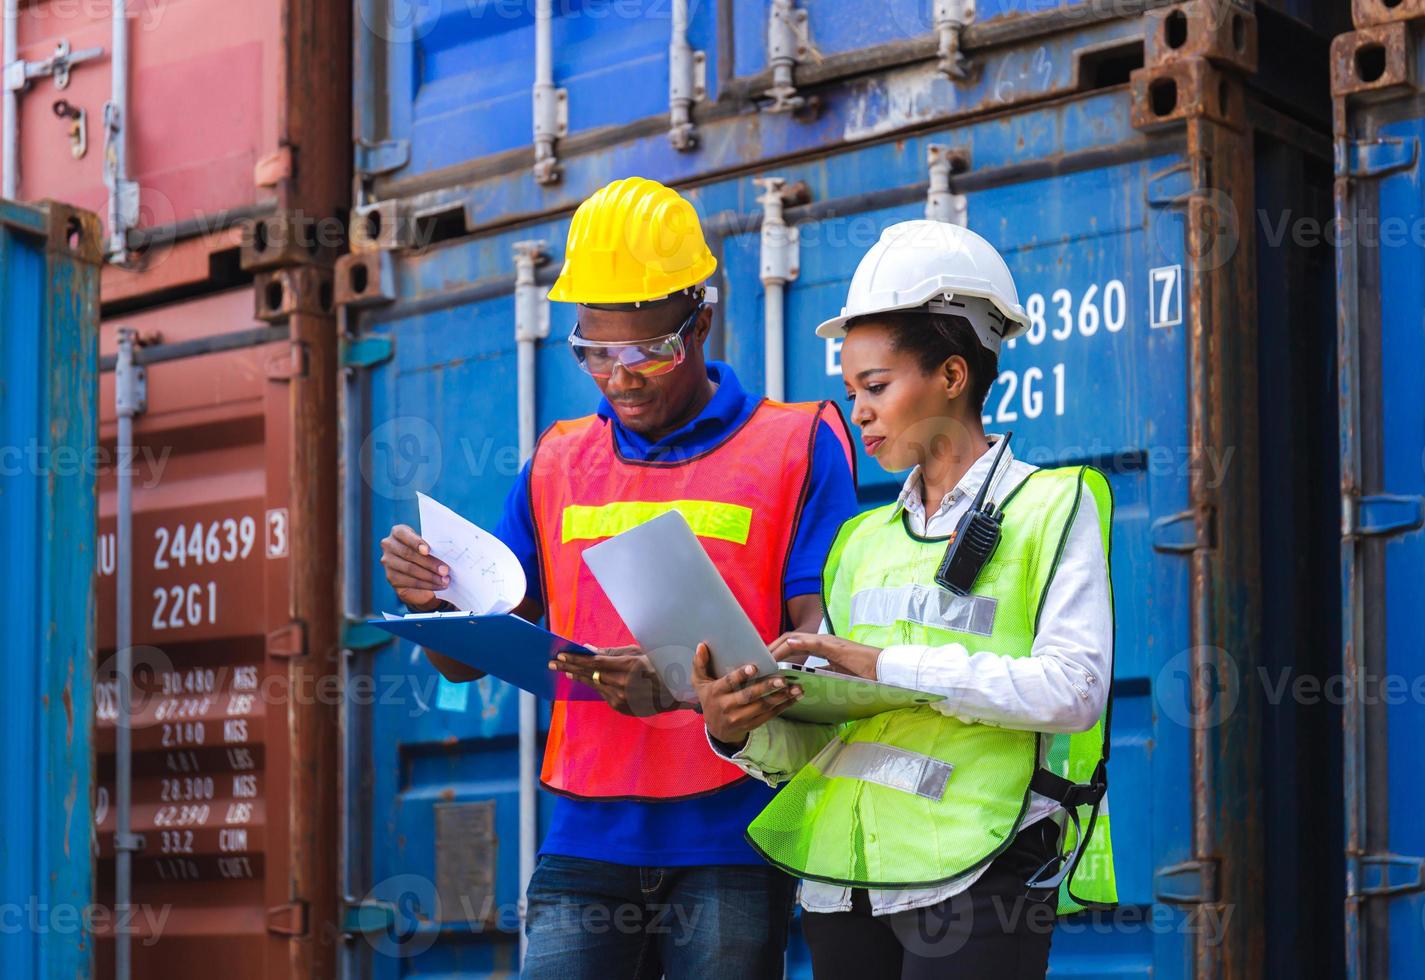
(845, 657)
(736, 704)
(412, 570)
(625, 679)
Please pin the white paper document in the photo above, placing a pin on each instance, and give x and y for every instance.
(485, 576)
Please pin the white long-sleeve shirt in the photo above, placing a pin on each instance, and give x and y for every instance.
(1061, 687)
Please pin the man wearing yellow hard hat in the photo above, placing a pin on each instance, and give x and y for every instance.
(645, 871)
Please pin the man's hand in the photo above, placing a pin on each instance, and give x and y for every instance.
(412, 570)
(736, 704)
(625, 679)
(856, 659)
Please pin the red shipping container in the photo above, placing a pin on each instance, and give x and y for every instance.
(234, 629)
(236, 110)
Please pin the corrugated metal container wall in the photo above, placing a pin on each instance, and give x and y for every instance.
(450, 96)
(234, 110)
(1378, 71)
(1110, 207)
(235, 718)
(49, 325)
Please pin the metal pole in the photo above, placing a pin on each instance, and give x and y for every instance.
(531, 325)
(547, 112)
(129, 400)
(780, 258)
(1353, 640)
(123, 200)
(11, 135)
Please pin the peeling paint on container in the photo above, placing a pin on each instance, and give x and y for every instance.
(49, 326)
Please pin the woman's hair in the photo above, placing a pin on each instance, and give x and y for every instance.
(931, 338)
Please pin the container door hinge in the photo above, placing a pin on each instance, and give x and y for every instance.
(367, 352)
(366, 917)
(941, 202)
(288, 641)
(383, 157)
(133, 843)
(551, 124)
(788, 44)
(1377, 157)
(357, 634)
(19, 74)
(1189, 883)
(951, 18)
(289, 365)
(288, 920)
(1380, 515)
(531, 306)
(1374, 874)
(1185, 532)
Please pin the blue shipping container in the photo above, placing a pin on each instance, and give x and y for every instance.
(1141, 360)
(444, 101)
(49, 328)
(1380, 131)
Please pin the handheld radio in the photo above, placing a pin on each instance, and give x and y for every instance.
(975, 537)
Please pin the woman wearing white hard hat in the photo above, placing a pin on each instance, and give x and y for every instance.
(942, 840)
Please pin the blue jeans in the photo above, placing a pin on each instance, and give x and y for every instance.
(590, 920)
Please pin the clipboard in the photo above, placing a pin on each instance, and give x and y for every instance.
(503, 646)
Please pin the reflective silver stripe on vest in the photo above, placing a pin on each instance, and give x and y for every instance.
(885, 765)
(925, 605)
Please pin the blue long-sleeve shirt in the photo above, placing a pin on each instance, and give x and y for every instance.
(706, 829)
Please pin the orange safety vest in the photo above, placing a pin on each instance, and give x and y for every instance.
(743, 498)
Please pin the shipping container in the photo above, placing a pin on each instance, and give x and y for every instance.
(1379, 128)
(234, 730)
(230, 112)
(464, 121)
(1129, 215)
(49, 329)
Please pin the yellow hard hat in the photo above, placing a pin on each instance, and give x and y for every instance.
(632, 241)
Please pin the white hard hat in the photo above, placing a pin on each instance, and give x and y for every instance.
(942, 268)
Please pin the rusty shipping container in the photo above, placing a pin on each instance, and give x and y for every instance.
(49, 322)
(1136, 173)
(234, 725)
(1378, 73)
(227, 113)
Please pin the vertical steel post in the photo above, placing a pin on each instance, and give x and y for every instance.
(130, 399)
(531, 326)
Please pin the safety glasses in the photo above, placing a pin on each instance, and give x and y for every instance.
(646, 358)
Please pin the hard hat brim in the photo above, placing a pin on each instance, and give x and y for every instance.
(835, 328)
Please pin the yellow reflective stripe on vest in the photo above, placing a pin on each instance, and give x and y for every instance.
(885, 765)
(708, 518)
(926, 606)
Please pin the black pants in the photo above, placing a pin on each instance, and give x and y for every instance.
(995, 929)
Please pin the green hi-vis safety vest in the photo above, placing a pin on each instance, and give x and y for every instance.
(913, 798)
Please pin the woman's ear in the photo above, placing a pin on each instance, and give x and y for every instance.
(956, 375)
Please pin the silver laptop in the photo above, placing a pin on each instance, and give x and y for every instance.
(671, 596)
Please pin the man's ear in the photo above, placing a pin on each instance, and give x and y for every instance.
(704, 324)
